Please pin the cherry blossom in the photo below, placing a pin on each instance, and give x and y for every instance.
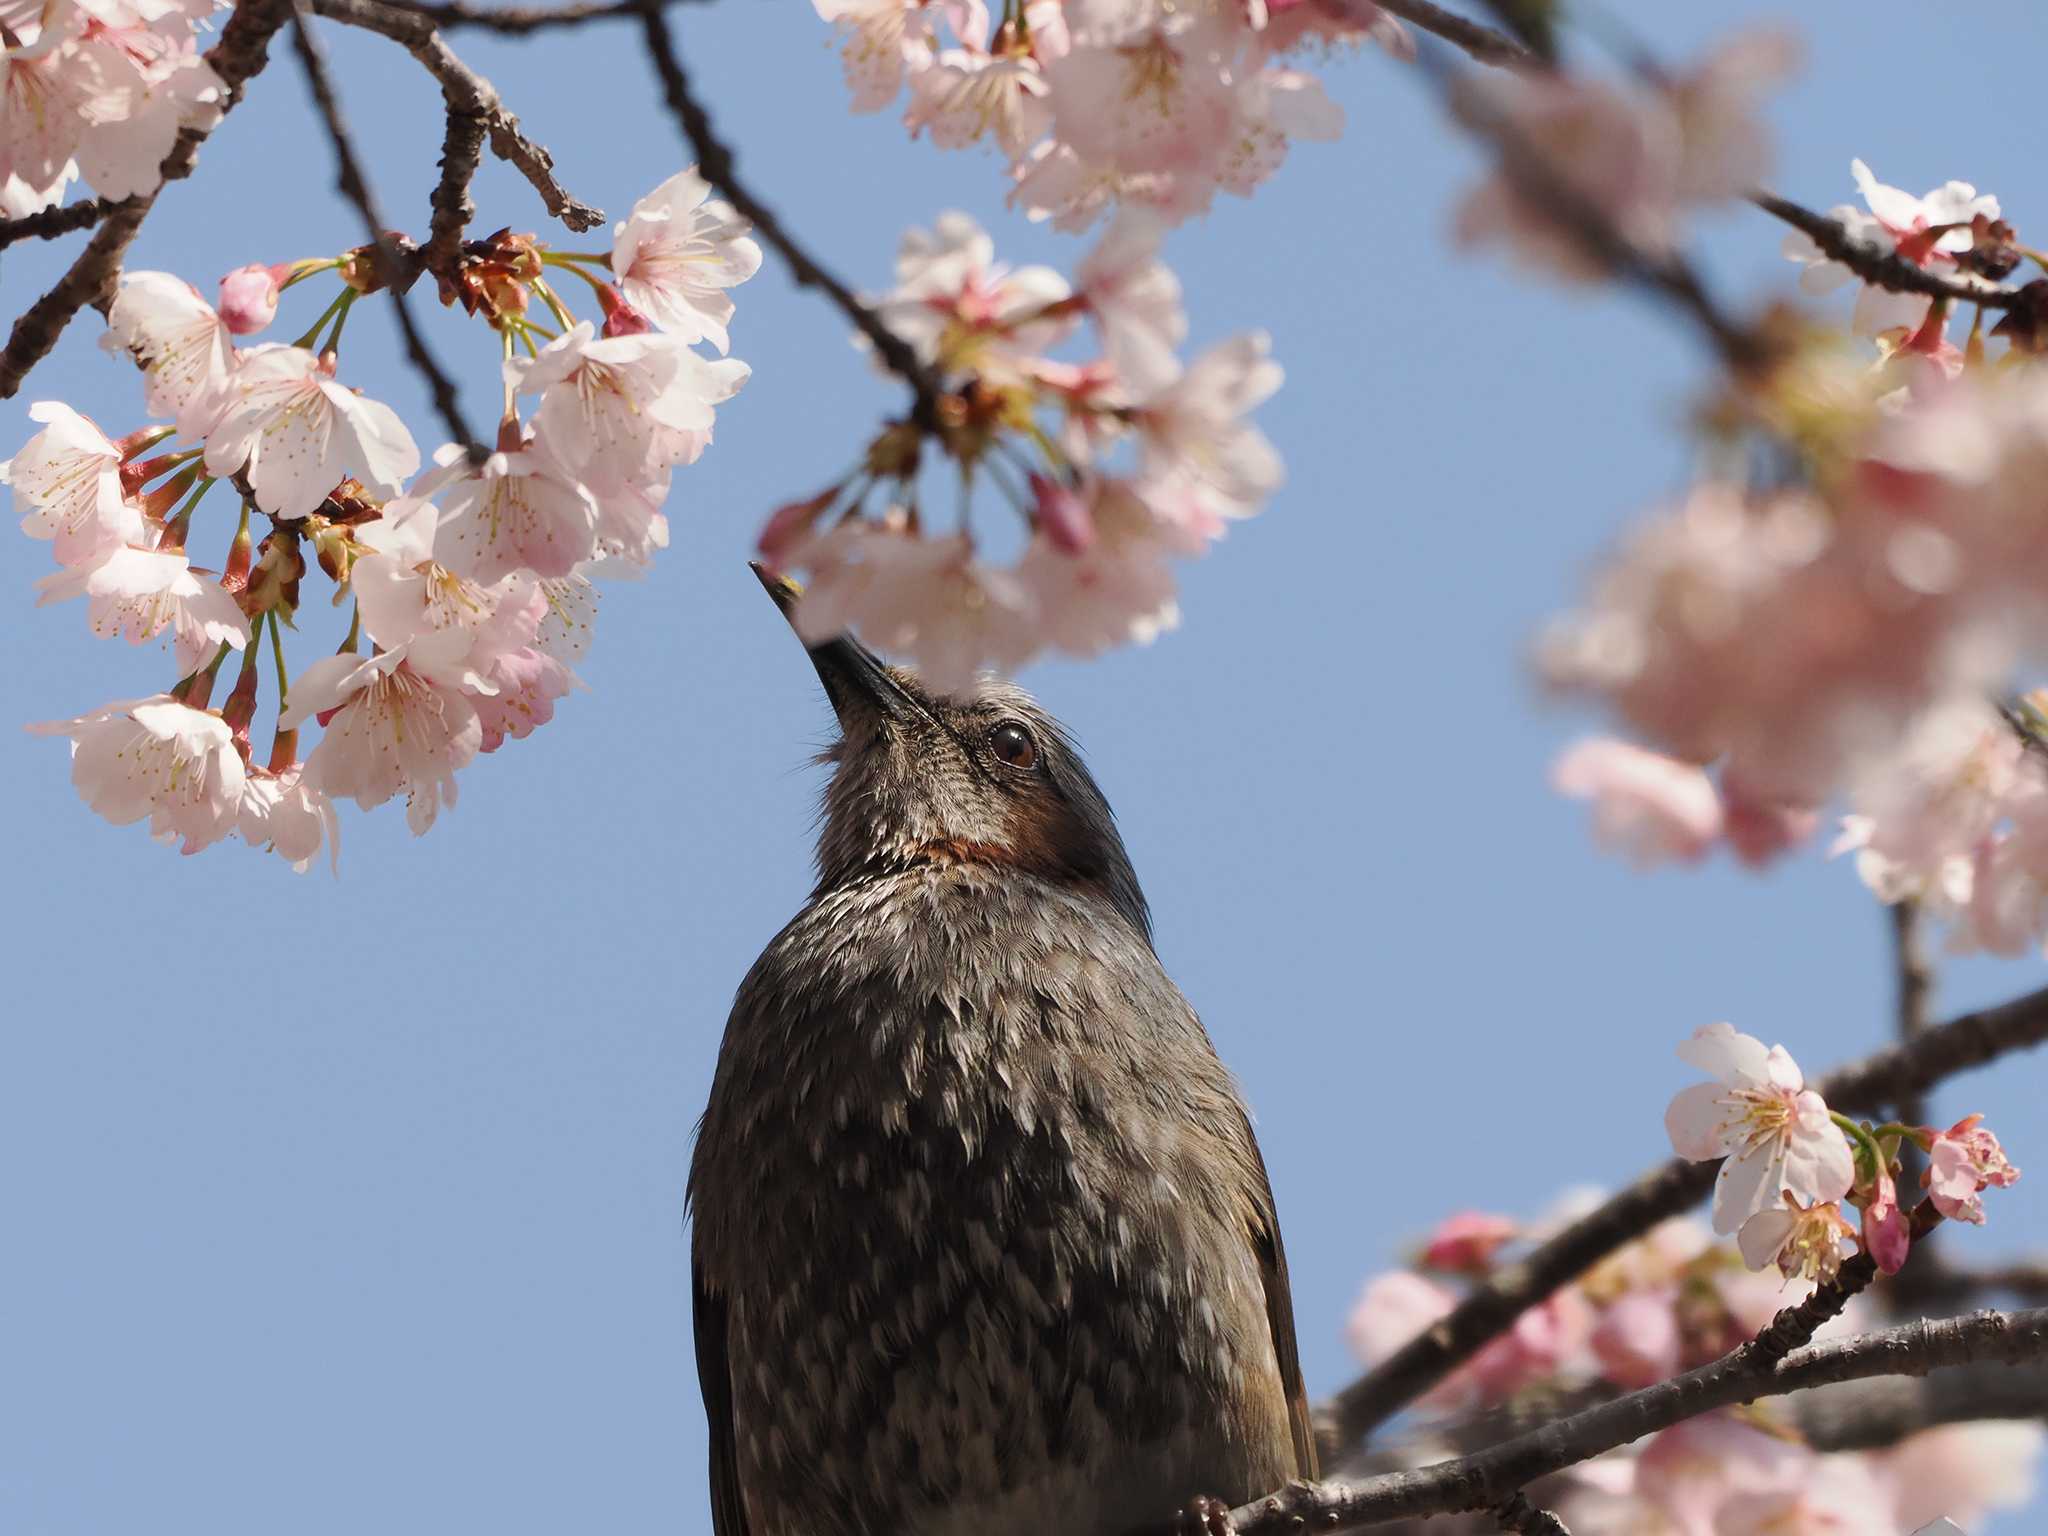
(1637, 1338)
(399, 722)
(1136, 300)
(286, 815)
(1836, 1496)
(1649, 806)
(1466, 1242)
(517, 511)
(1928, 231)
(884, 37)
(1773, 1133)
(620, 409)
(1963, 1471)
(298, 433)
(1193, 429)
(1119, 588)
(157, 758)
(678, 252)
(929, 599)
(69, 476)
(141, 593)
(1963, 1161)
(1806, 1242)
(178, 341)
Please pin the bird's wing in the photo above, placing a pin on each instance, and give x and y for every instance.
(728, 1514)
(1265, 1236)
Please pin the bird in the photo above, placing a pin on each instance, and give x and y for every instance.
(982, 1242)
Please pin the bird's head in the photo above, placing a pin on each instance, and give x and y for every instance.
(985, 777)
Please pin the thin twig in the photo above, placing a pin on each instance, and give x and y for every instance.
(467, 94)
(1483, 43)
(1491, 1309)
(58, 219)
(235, 59)
(391, 265)
(715, 163)
(1879, 267)
(1483, 1480)
(1666, 274)
(518, 20)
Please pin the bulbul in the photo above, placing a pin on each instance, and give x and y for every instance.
(983, 1244)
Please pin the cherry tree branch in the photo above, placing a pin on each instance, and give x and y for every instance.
(1525, 1519)
(715, 162)
(1878, 1413)
(471, 97)
(394, 270)
(1487, 1478)
(241, 52)
(48, 223)
(1667, 1190)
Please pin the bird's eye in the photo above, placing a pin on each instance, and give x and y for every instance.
(1012, 744)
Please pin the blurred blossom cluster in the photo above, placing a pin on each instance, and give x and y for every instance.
(1095, 104)
(472, 583)
(1677, 1298)
(1846, 610)
(1113, 465)
(97, 89)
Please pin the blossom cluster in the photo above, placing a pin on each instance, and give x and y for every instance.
(1676, 1299)
(1114, 465)
(472, 583)
(1094, 104)
(1851, 628)
(98, 89)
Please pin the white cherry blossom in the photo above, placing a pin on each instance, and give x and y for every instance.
(159, 759)
(178, 341)
(678, 252)
(300, 433)
(140, 593)
(68, 478)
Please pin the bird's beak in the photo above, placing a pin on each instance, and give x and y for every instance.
(855, 679)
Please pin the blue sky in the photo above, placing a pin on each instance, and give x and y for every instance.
(336, 1205)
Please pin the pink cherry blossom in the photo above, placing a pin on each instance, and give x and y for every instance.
(68, 478)
(141, 593)
(1897, 223)
(678, 252)
(157, 758)
(1646, 805)
(1136, 301)
(528, 682)
(281, 812)
(1724, 149)
(1615, 149)
(962, 309)
(178, 341)
(1392, 1309)
(965, 96)
(623, 408)
(248, 298)
(929, 599)
(398, 723)
(1193, 429)
(1836, 1496)
(1962, 1470)
(569, 617)
(1636, 1338)
(884, 38)
(1805, 1242)
(1773, 1133)
(517, 511)
(147, 82)
(1119, 589)
(299, 433)
(1965, 1160)
(404, 590)
(1466, 1242)
(1689, 1473)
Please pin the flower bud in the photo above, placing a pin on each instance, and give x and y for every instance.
(1062, 516)
(248, 297)
(790, 522)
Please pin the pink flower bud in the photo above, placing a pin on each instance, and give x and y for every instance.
(621, 318)
(1063, 516)
(1465, 1243)
(790, 523)
(248, 298)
